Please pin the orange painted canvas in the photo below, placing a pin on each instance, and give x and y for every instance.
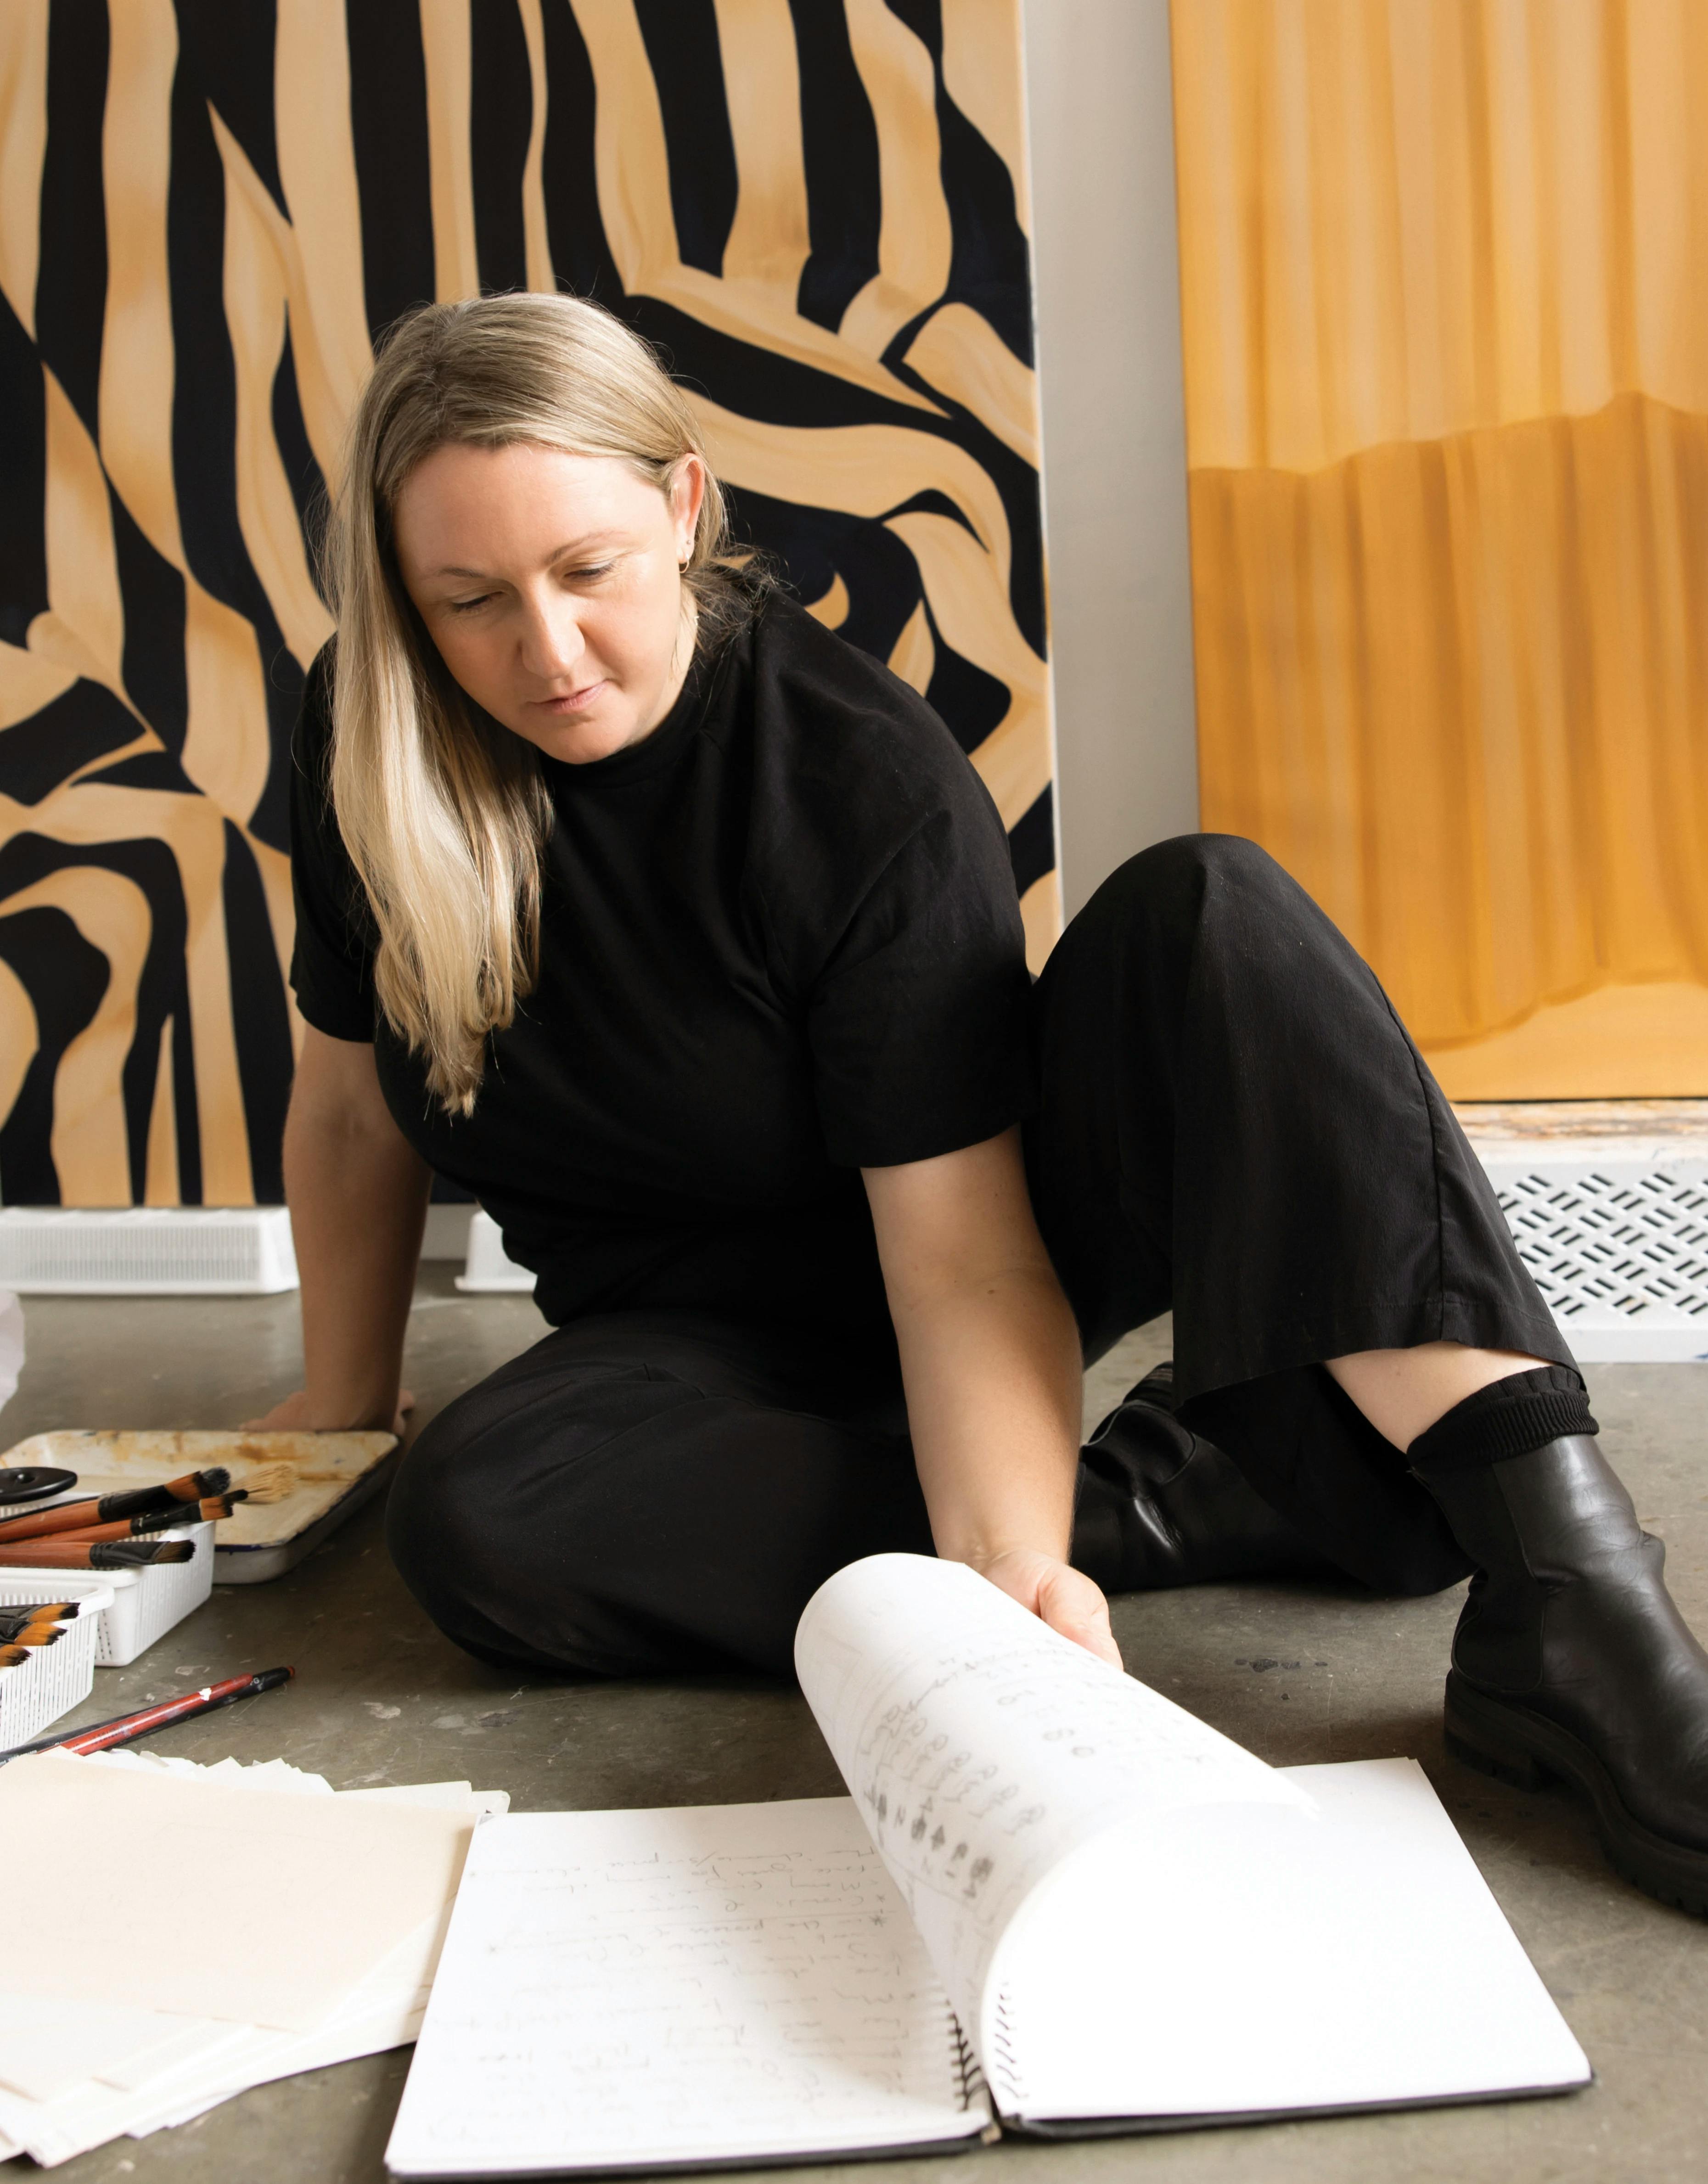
(1446, 345)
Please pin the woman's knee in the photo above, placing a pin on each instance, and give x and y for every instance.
(1183, 876)
(1164, 915)
(441, 1518)
(510, 1513)
(1215, 914)
(472, 1570)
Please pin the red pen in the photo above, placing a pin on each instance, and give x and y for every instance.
(126, 1726)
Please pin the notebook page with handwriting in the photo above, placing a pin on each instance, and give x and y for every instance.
(680, 1988)
(984, 1749)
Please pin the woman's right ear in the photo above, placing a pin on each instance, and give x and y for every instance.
(687, 498)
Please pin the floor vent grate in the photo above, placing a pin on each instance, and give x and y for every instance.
(1619, 1249)
(138, 1251)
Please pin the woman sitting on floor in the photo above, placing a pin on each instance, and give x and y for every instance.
(683, 935)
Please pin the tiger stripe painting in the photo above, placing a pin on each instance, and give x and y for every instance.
(816, 209)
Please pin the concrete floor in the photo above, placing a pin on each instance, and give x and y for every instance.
(1295, 1673)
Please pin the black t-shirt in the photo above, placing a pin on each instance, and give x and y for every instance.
(780, 942)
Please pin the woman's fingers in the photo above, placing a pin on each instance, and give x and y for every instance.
(296, 1415)
(1059, 1595)
(1070, 1602)
(291, 1415)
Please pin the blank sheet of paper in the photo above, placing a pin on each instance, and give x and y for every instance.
(683, 1986)
(236, 1903)
(46, 2047)
(1251, 1961)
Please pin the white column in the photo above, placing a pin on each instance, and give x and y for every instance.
(1107, 276)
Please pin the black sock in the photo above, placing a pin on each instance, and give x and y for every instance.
(1525, 1411)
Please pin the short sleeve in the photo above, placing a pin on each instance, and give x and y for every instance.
(331, 964)
(918, 1021)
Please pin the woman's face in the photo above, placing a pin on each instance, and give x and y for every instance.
(552, 586)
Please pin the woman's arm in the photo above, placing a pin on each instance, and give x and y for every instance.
(358, 1195)
(990, 1364)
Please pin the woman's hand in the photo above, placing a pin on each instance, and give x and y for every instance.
(1057, 1594)
(296, 1414)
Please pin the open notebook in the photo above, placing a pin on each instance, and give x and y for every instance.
(1053, 1897)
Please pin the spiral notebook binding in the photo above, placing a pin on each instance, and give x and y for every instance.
(969, 2078)
(1011, 2095)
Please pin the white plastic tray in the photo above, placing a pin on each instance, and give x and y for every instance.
(142, 1604)
(488, 1267)
(56, 1678)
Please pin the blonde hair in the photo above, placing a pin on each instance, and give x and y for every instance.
(443, 811)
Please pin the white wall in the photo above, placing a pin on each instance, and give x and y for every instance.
(1107, 277)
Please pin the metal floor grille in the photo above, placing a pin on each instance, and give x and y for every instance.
(1619, 1248)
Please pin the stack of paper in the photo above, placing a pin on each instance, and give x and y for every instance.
(203, 1929)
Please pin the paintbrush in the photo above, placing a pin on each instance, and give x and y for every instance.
(126, 1726)
(94, 1554)
(158, 1520)
(270, 1482)
(14, 1619)
(106, 1509)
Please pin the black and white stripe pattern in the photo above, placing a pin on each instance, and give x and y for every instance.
(816, 207)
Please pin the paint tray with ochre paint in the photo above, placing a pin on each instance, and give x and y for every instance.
(327, 1478)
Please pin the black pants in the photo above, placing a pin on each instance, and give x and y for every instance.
(1233, 1123)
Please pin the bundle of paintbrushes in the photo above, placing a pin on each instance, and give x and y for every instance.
(111, 1531)
(24, 1630)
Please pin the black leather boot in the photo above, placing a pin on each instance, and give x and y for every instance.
(1159, 1507)
(1572, 1661)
